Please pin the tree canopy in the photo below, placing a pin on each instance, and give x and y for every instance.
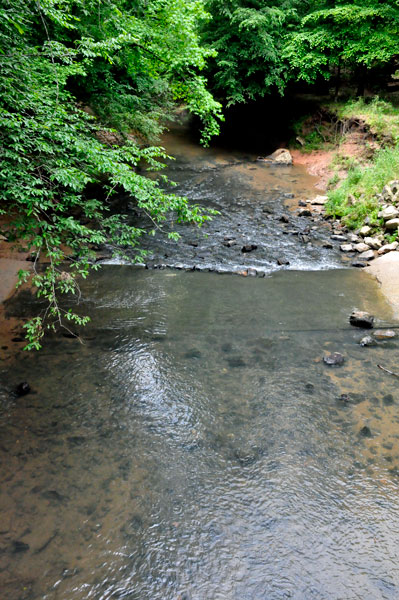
(131, 62)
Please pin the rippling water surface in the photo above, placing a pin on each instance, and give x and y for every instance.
(196, 446)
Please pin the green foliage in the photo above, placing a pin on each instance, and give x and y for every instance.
(248, 36)
(355, 199)
(52, 162)
(382, 117)
(355, 35)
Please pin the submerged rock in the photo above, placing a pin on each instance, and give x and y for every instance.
(367, 340)
(23, 388)
(249, 248)
(359, 318)
(334, 359)
(384, 334)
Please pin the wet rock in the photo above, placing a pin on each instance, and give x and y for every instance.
(362, 247)
(359, 318)
(305, 239)
(236, 362)
(334, 359)
(23, 388)
(283, 261)
(368, 255)
(384, 334)
(328, 245)
(367, 340)
(338, 237)
(18, 546)
(360, 264)
(252, 272)
(230, 243)
(346, 248)
(193, 353)
(388, 248)
(249, 248)
(366, 432)
(179, 266)
(304, 212)
(284, 219)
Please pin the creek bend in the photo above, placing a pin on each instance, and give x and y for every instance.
(196, 447)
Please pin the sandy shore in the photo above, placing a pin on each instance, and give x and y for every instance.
(386, 270)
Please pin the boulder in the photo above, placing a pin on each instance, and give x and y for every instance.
(282, 156)
(249, 248)
(359, 318)
(388, 248)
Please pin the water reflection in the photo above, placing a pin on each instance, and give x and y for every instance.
(197, 447)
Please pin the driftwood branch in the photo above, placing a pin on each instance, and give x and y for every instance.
(388, 371)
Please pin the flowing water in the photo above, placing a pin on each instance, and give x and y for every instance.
(197, 447)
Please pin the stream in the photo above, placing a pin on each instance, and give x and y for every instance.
(195, 446)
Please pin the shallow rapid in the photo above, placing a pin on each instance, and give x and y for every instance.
(196, 447)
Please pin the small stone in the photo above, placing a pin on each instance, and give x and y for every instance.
(230, 243)
(392, 224)
(252, 272)
(23, 388)
(362, 247)
(353, 238)
(243, 273)
(346, 247)
(283, 261)
(320, 200)
(360, 264)
(339, 237)
(390, 212)
(359, 318)
(384, 334)
(3, 238)
(328, 245)
(301, 203)
(368, 255)
(374, 242)
(365, 230)
(19, 547)
(388, 248)
(284, 219)
(249, 248)
(304, 212)
(367, 340)
(334, 359)
(366, 432)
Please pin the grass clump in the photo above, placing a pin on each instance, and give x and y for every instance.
(356, 197)
(381, 116)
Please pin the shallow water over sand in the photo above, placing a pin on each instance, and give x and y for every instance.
(197, 447)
